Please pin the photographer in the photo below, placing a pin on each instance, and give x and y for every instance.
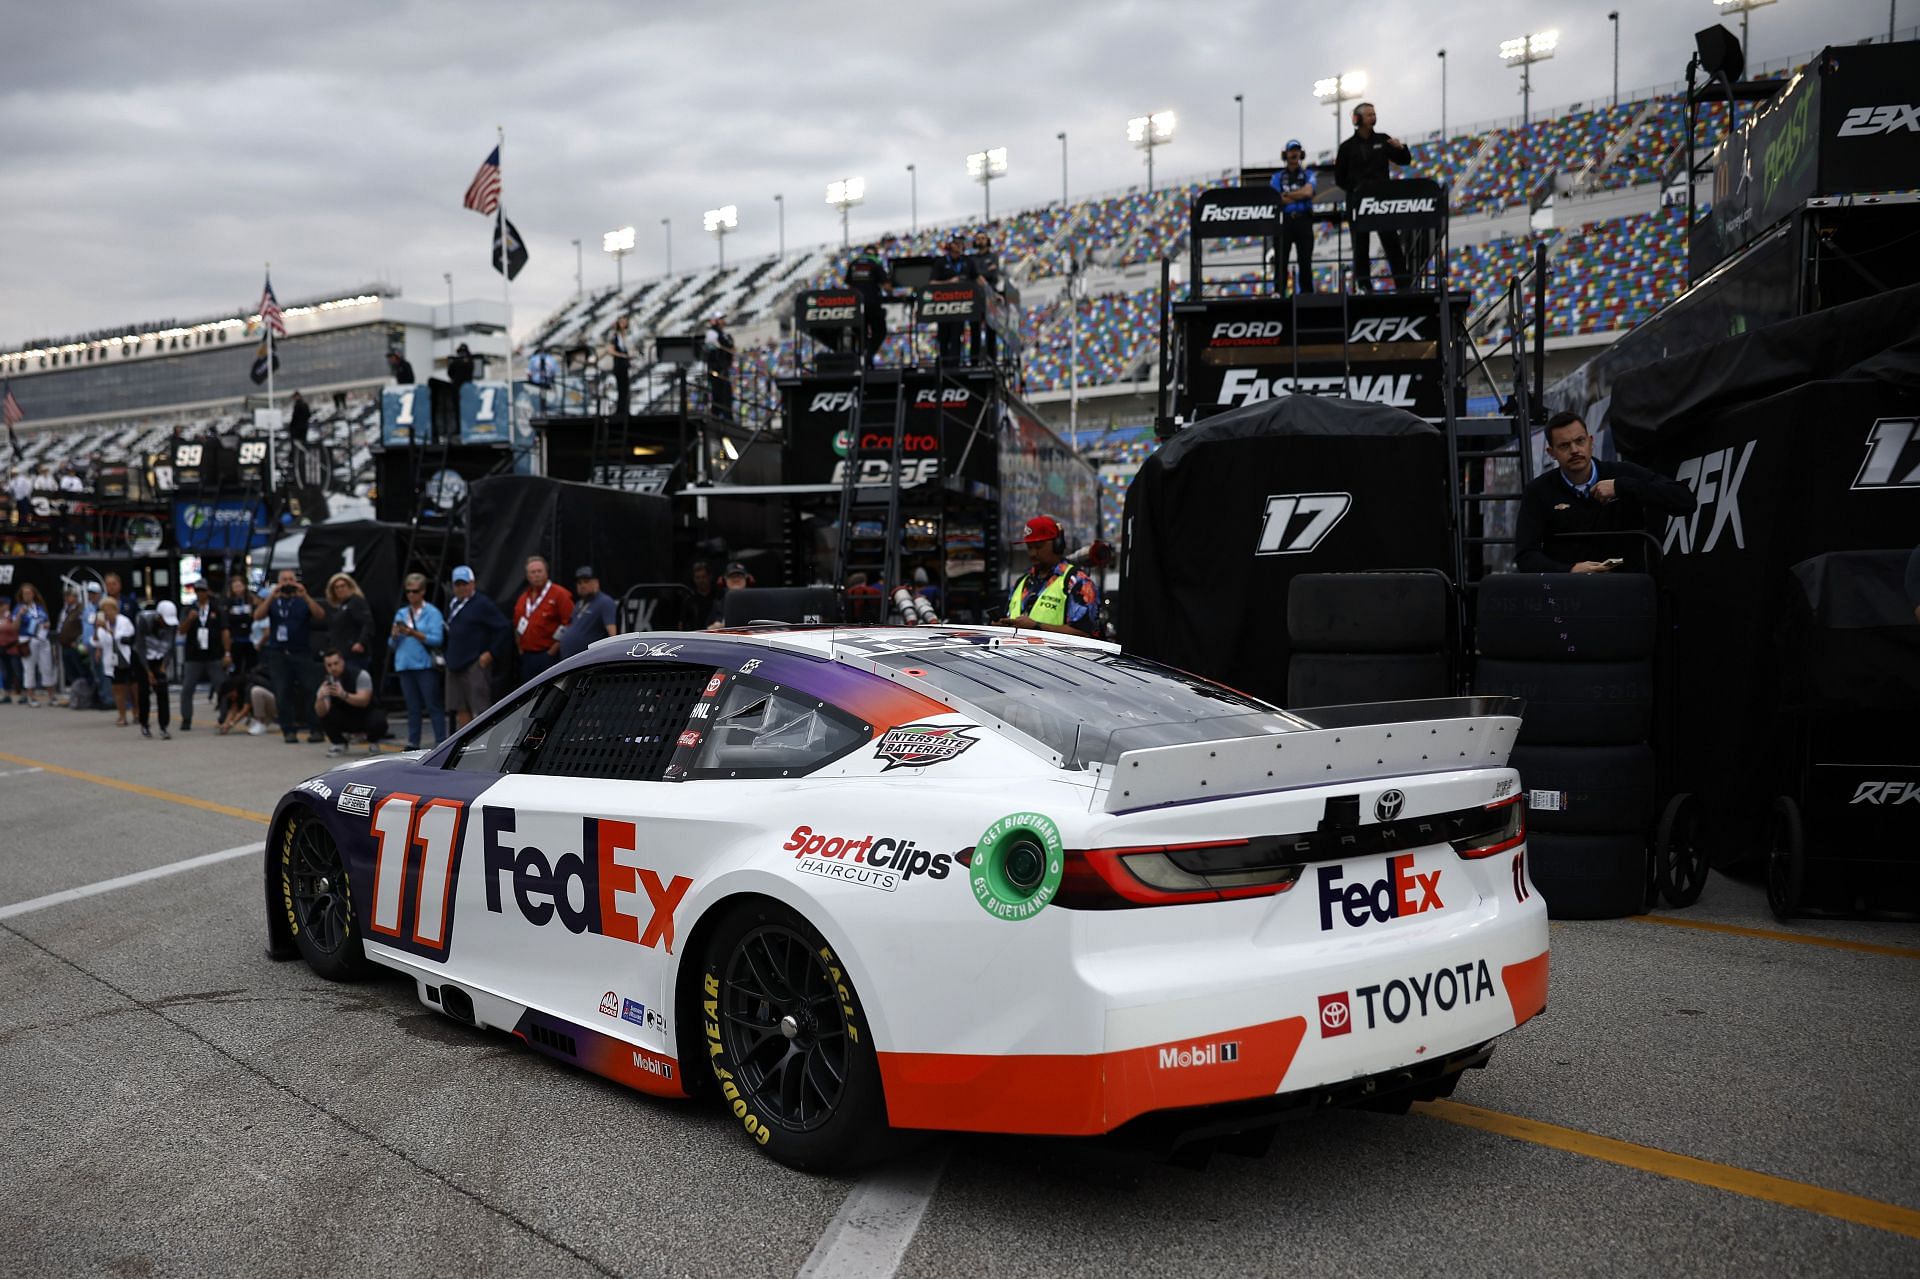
(345, 704)
(290, 614)
(419, 643)
(153, 634)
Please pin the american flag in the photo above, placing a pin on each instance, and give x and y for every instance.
(270, 311)
(483, 194)
(13, 413)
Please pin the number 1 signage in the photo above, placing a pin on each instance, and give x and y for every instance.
(406, 416)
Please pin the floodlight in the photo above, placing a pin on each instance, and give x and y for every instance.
(1340, 88)
(984, 166)
(1537, 47)
(843, 192)
(1151, 130)
(620, 241)
(723, 219)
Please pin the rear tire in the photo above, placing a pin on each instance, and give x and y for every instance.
(1589, 876)
(1786, 859)
(1341, 679)
(1367, 613)
(789, 1044)
(1604, 789)
(1586, 617)
(1574, 703)
(1679, 853)
(317, 900)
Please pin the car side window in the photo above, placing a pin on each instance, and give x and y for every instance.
(510, 733)
(762, 730)
(617, 722)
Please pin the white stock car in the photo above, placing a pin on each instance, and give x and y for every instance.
(855, 881)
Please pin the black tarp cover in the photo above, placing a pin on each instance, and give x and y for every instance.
(626, 537)
(368, 551)
(1197, 590)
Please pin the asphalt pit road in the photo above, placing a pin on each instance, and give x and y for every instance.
(436, 1029)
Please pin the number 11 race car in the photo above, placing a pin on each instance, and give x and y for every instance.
(850, 881)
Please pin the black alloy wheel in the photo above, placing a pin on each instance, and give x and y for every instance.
(784, 1028)
(314, 893)
(1680, 851)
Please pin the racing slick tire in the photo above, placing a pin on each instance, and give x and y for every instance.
(1679, 853)
(1367, 613)
(1586, 617)
(1589, 876)
(1601, 790)
(1786, 859)
(789, 1043)
(1574, 703)
(315, 895)
(1341, 679)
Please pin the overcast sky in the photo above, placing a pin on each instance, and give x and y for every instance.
(155, 155)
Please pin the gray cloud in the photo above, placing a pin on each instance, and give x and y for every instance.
(155, 155)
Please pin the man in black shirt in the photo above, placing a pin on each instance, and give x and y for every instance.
(298, 423)
(1567, 514)
(402, 371)
(719, 357)
(203, 627)
(460, 367)
(867, 275)
(239, 622)
(619, 352)
(1368, 157)
(954, 267)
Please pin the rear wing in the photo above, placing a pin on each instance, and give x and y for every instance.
(1342, 744)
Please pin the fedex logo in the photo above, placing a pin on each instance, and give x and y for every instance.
(1402, 891)
(617, 897)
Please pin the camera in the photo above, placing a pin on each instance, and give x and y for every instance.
(290, 589)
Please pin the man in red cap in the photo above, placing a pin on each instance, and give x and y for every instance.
(1054, 594)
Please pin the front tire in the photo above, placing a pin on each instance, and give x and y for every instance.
(314, 894)
(788, 1042)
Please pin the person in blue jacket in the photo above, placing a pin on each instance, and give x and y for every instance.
(419, 641)
(477, 632)
(1295, 184)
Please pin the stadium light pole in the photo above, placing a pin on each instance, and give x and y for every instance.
(913, 200)
(717, 223)
(1240, 103)
(668, 224)
(1613, 16)
(1149, 131)
(1443, 97)
(843, 194)
(619, 244)
(780, 205)
(1743, 8)
(1062, 135)
(579, 271)
(983, 167)
(1523, 52)
(448, 277)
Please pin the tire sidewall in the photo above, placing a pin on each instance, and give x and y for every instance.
(349, 963)
(856, 1132)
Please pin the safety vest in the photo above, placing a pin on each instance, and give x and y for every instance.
(1051, 606)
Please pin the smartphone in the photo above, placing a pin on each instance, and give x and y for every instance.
(1615, 562)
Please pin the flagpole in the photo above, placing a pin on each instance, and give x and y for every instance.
(272, 479)
(506, 269)
(269, 327)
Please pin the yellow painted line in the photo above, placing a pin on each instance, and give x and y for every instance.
(135, 788)
(1701, 1172)
(1768, 934)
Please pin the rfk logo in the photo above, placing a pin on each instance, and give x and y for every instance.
(1865, 121)
(1887, 793)
(1893, 455)
(1387, 328)
(1715, 480)
(1296, 523)
(831, 402)
(1336, 1015)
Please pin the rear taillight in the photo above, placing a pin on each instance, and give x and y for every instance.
(1505, 828)
(1170, 875)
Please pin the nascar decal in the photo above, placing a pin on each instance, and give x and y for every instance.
(920, 745)
(620, 898)
(356, 797)
(1017, 866)
(881, 862)
(1420, 995)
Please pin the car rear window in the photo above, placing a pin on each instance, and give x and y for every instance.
(1090, 705)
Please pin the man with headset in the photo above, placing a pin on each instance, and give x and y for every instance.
(1295, 186)
(1368, 157)
(1054, 594)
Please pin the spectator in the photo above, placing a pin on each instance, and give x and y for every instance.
(1054, 594)
(542, 609)
(419, 642)
(1562, 511)
(867, 276)
(737, 578)
(71, 638)
(1296, 189)
(117, 593)
(619, 352)
(953, 267)
(460, 367)
(253, 699)
(232, 699)
(36, 644)
(594, 614)
(476, 631)
(153, 635)
(11, 671)
(986, 265)
(113, 648)
(96, 678)
(719, 358)
(1365, 157)
(349, 619)
(238, 629)
(702, 608)
(204, 628)
(290, 614)
(345, 704)
(298, 424)
(401, 370)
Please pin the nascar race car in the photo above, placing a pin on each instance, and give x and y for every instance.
(855, 880)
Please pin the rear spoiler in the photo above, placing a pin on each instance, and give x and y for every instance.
(1340, 744)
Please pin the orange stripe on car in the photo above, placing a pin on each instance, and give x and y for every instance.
(1526, 984)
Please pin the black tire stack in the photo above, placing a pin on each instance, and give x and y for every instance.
(1368, 637)
(1579, 648)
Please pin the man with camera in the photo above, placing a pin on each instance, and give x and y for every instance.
(290, 614)
(345, 704)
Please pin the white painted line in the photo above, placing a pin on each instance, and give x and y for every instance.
(18, 772)
(127, 881)
(868, 1237)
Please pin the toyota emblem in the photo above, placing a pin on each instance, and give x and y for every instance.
(1334, 1016)
(1388, 806)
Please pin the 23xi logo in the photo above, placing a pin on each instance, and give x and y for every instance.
(918, 745)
